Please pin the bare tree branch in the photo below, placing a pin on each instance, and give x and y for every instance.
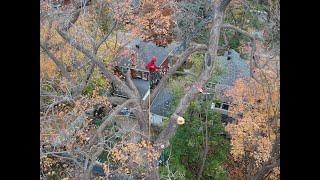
(116, 100)
(110, 76)
(223, 5)
(191, 94)
(185, 73)
(229, 26)
(93, 162)
(108, 120)
(142, 115)
(105, 37)
(253, 44)
(131, 84)
(74, 17)
(179, 61)
(86, 80)
(75, 14)
(206, 148)
(58, 63)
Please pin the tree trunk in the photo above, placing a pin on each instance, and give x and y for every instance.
(206, 74)
(192, 93)
(273, 162)
(206, 148)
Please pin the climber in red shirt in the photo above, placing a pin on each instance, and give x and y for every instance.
(151, 66)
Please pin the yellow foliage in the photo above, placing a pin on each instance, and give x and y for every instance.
(255, 105)
(141, 154)
(47, 67)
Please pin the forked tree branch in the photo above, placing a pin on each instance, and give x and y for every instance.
(235, 28)
(132, 86)
(253, 44)
(179, 61)
(57, 62)
(192, 93)
(94, 59)
(106, 36)
(108, 120)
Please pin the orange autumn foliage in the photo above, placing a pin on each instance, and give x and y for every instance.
(131, 155)
(256, 107)
(152, 21)
(156, 21)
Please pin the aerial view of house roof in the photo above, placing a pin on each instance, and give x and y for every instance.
(142, 86)
(234, 68)
(145, 51)
(157, 89)
(161, 103)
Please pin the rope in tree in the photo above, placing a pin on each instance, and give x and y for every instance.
(149, 110)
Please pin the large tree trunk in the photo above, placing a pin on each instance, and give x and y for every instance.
(206, 148)
(206, 74)
(163, 139)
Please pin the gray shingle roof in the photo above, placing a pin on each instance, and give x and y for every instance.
(234, 68)
(220, 89)
(142, 86)
(162, 102)
(145, 52)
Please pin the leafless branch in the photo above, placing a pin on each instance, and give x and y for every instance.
(131, 84)
(179, 61)
(116, 100)
(93, 162)
(206, 147)
(192, 92)
(185, 73)
(106, 36)
(110, 76)
(57, 62)
(74, 17)
(253, 43)
(108, 120)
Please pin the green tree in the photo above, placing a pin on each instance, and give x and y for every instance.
(184, 155)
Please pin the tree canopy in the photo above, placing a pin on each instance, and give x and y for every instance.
(88, 132)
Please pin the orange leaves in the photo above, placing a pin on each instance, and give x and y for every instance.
(47, 67)
(152, 22)
(274, 175)
(140, 154)
(255, 105)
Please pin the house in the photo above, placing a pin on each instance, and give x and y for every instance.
(234, 67)
(141, 53)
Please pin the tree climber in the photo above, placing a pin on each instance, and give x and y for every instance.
(152, 68)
